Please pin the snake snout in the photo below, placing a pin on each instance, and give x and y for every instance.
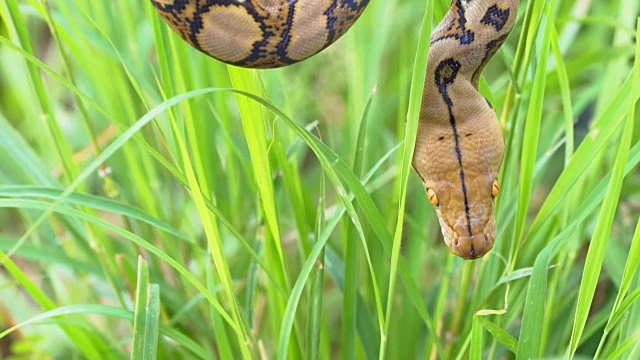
(468, 242)
(472, 247)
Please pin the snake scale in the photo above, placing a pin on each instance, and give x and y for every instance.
(459, 145)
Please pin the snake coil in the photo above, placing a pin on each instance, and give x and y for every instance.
(260, 33)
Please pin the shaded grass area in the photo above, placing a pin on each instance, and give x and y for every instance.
(157, 203)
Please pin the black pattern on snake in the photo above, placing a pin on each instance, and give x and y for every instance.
(260, 33)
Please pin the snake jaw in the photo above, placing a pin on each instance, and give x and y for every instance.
(468, 246)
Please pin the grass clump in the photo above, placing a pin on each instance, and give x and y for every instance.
(155, 203)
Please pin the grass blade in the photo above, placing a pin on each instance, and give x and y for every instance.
(595, 255)
(146, 316)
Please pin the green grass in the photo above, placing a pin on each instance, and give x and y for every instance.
(157, 203)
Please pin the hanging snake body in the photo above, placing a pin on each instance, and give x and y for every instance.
(459, 145)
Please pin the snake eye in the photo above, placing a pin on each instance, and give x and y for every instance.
(433, 198)
(495, 189)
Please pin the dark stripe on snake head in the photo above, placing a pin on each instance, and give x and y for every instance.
(445, 75)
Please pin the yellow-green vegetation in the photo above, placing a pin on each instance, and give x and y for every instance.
(156, 203)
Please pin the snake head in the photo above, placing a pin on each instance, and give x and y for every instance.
(465, 209)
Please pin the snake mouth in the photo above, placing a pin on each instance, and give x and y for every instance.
(472, 247)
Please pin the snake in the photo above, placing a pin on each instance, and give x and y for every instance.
(459, 143)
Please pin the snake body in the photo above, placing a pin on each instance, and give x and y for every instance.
(459, 146)
(260, 33)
